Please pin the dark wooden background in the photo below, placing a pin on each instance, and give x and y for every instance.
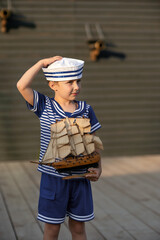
(123, 86)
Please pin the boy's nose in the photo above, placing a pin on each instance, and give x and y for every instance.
(76, 85)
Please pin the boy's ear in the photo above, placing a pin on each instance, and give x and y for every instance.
(52, 85)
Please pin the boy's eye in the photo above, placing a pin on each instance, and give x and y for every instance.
(71, 82)
(68, 82)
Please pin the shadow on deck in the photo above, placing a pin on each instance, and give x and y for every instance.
(126, 200)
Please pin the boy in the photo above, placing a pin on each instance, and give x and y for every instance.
(60, 197)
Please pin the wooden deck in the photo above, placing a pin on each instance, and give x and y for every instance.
(126, 200)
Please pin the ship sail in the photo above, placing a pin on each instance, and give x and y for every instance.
(71, 136)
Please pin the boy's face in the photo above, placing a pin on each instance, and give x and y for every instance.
(67, 90)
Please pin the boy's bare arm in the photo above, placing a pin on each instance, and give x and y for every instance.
(24, 84)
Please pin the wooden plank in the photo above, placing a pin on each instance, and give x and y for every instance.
(145, 180)
(31, 170)
(145, 192)
(22, 218)
(24, 183)
(145, 166)
(93, 233)
(6, 229)
(136, 209)
(128, 222)
(118, 193)
(106, 226)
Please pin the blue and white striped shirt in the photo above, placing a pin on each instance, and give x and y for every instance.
(48, 111)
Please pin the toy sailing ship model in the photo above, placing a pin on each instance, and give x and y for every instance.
(71, 145)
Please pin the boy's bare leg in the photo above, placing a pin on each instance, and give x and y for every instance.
(51, 231)
(77, 230)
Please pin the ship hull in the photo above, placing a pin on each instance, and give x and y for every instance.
(75, 161)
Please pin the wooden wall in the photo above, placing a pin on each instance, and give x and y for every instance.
(123, 87)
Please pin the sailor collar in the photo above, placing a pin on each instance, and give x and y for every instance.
(61, 112)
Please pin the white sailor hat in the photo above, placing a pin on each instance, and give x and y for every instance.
(64, 69)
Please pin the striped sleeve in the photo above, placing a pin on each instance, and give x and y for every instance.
(38, 103)
(95, 125)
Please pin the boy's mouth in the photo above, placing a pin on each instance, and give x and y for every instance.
(76, 93)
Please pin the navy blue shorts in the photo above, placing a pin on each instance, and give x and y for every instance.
(59, 198)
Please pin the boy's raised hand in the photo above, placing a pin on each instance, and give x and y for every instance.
(24, 84)
(48, 61)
